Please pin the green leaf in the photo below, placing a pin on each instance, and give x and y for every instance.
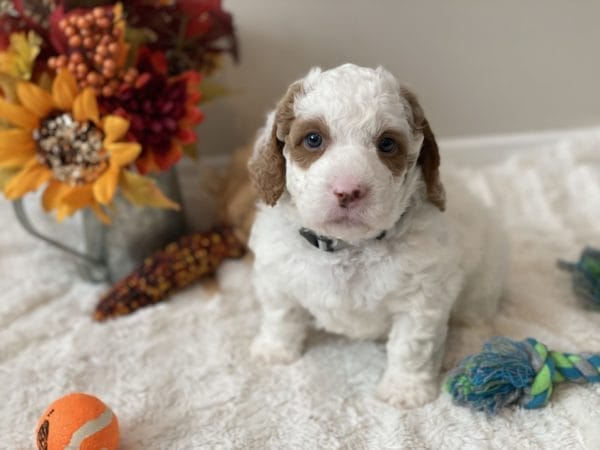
(5, 175)
(190, 150)
(136, 37)
(142, 191)
(8, 85)
(211, 90)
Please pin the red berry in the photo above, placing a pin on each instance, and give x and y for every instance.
(88, 42)
(74, 41)
(76, 57)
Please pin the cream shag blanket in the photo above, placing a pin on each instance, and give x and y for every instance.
(178, 375)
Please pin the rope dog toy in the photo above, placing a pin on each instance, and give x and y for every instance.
(586, 276)
(523, 372)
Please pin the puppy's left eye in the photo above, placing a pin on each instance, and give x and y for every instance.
(313, 141)
(387, 145)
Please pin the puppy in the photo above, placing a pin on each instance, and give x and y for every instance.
(352, 234)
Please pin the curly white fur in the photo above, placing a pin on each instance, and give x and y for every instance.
(429, 265)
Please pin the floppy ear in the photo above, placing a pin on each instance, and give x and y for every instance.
(267, 164)
(429, 155)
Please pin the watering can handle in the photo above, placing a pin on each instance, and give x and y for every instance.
(19, 209)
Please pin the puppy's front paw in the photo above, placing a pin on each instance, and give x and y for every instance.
(397, 391)
(273, 351)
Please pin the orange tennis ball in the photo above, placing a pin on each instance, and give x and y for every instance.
(77, 421)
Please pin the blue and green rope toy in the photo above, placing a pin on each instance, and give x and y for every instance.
(517, 372)
(586, 276)
(524, 372)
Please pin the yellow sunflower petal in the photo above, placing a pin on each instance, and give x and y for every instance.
(14, 140)
(85, 107)
(64, 90)
(79, 195)
(65, 210)
(101, 214)
(54, 194)
(15, 161)
(76, 198)
(62, 213)
(16, 147)
(115, 128)
(35, 99)
(27, 180)
(123, 153)
(106, 186)
(17, 115)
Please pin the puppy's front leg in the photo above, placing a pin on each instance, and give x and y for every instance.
(415, 349)
(282, 331)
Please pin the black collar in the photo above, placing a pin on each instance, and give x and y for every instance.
(328, 244)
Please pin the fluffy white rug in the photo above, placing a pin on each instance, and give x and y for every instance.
(178, 375)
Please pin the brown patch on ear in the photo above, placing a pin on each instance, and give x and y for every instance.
(429, 155)
(429, 160)
(267, 168)
(267, 165)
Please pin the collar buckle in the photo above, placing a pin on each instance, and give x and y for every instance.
(328, 244)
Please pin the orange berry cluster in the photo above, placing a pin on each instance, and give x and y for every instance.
(93, 39)
(177, 265)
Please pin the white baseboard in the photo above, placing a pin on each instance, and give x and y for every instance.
(475, 150)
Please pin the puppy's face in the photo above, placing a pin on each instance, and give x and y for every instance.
(351, 148)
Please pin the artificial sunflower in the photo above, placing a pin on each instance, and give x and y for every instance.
(60, 140)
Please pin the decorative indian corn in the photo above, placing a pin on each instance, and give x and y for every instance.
(179, 264)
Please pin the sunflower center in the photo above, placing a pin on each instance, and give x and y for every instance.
(72, 150)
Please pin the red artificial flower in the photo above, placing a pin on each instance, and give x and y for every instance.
(162, 111)
(207, 19)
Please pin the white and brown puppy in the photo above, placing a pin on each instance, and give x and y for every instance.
(352, 235)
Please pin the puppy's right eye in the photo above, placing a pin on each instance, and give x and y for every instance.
(313, 141)
(387, 145)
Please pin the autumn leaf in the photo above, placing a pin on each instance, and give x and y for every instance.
(7, 174)
(211, 90)
(190, 150)
(17, 61)
(136, 38)
(142, 191)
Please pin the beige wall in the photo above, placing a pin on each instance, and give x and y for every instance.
(478, 66)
